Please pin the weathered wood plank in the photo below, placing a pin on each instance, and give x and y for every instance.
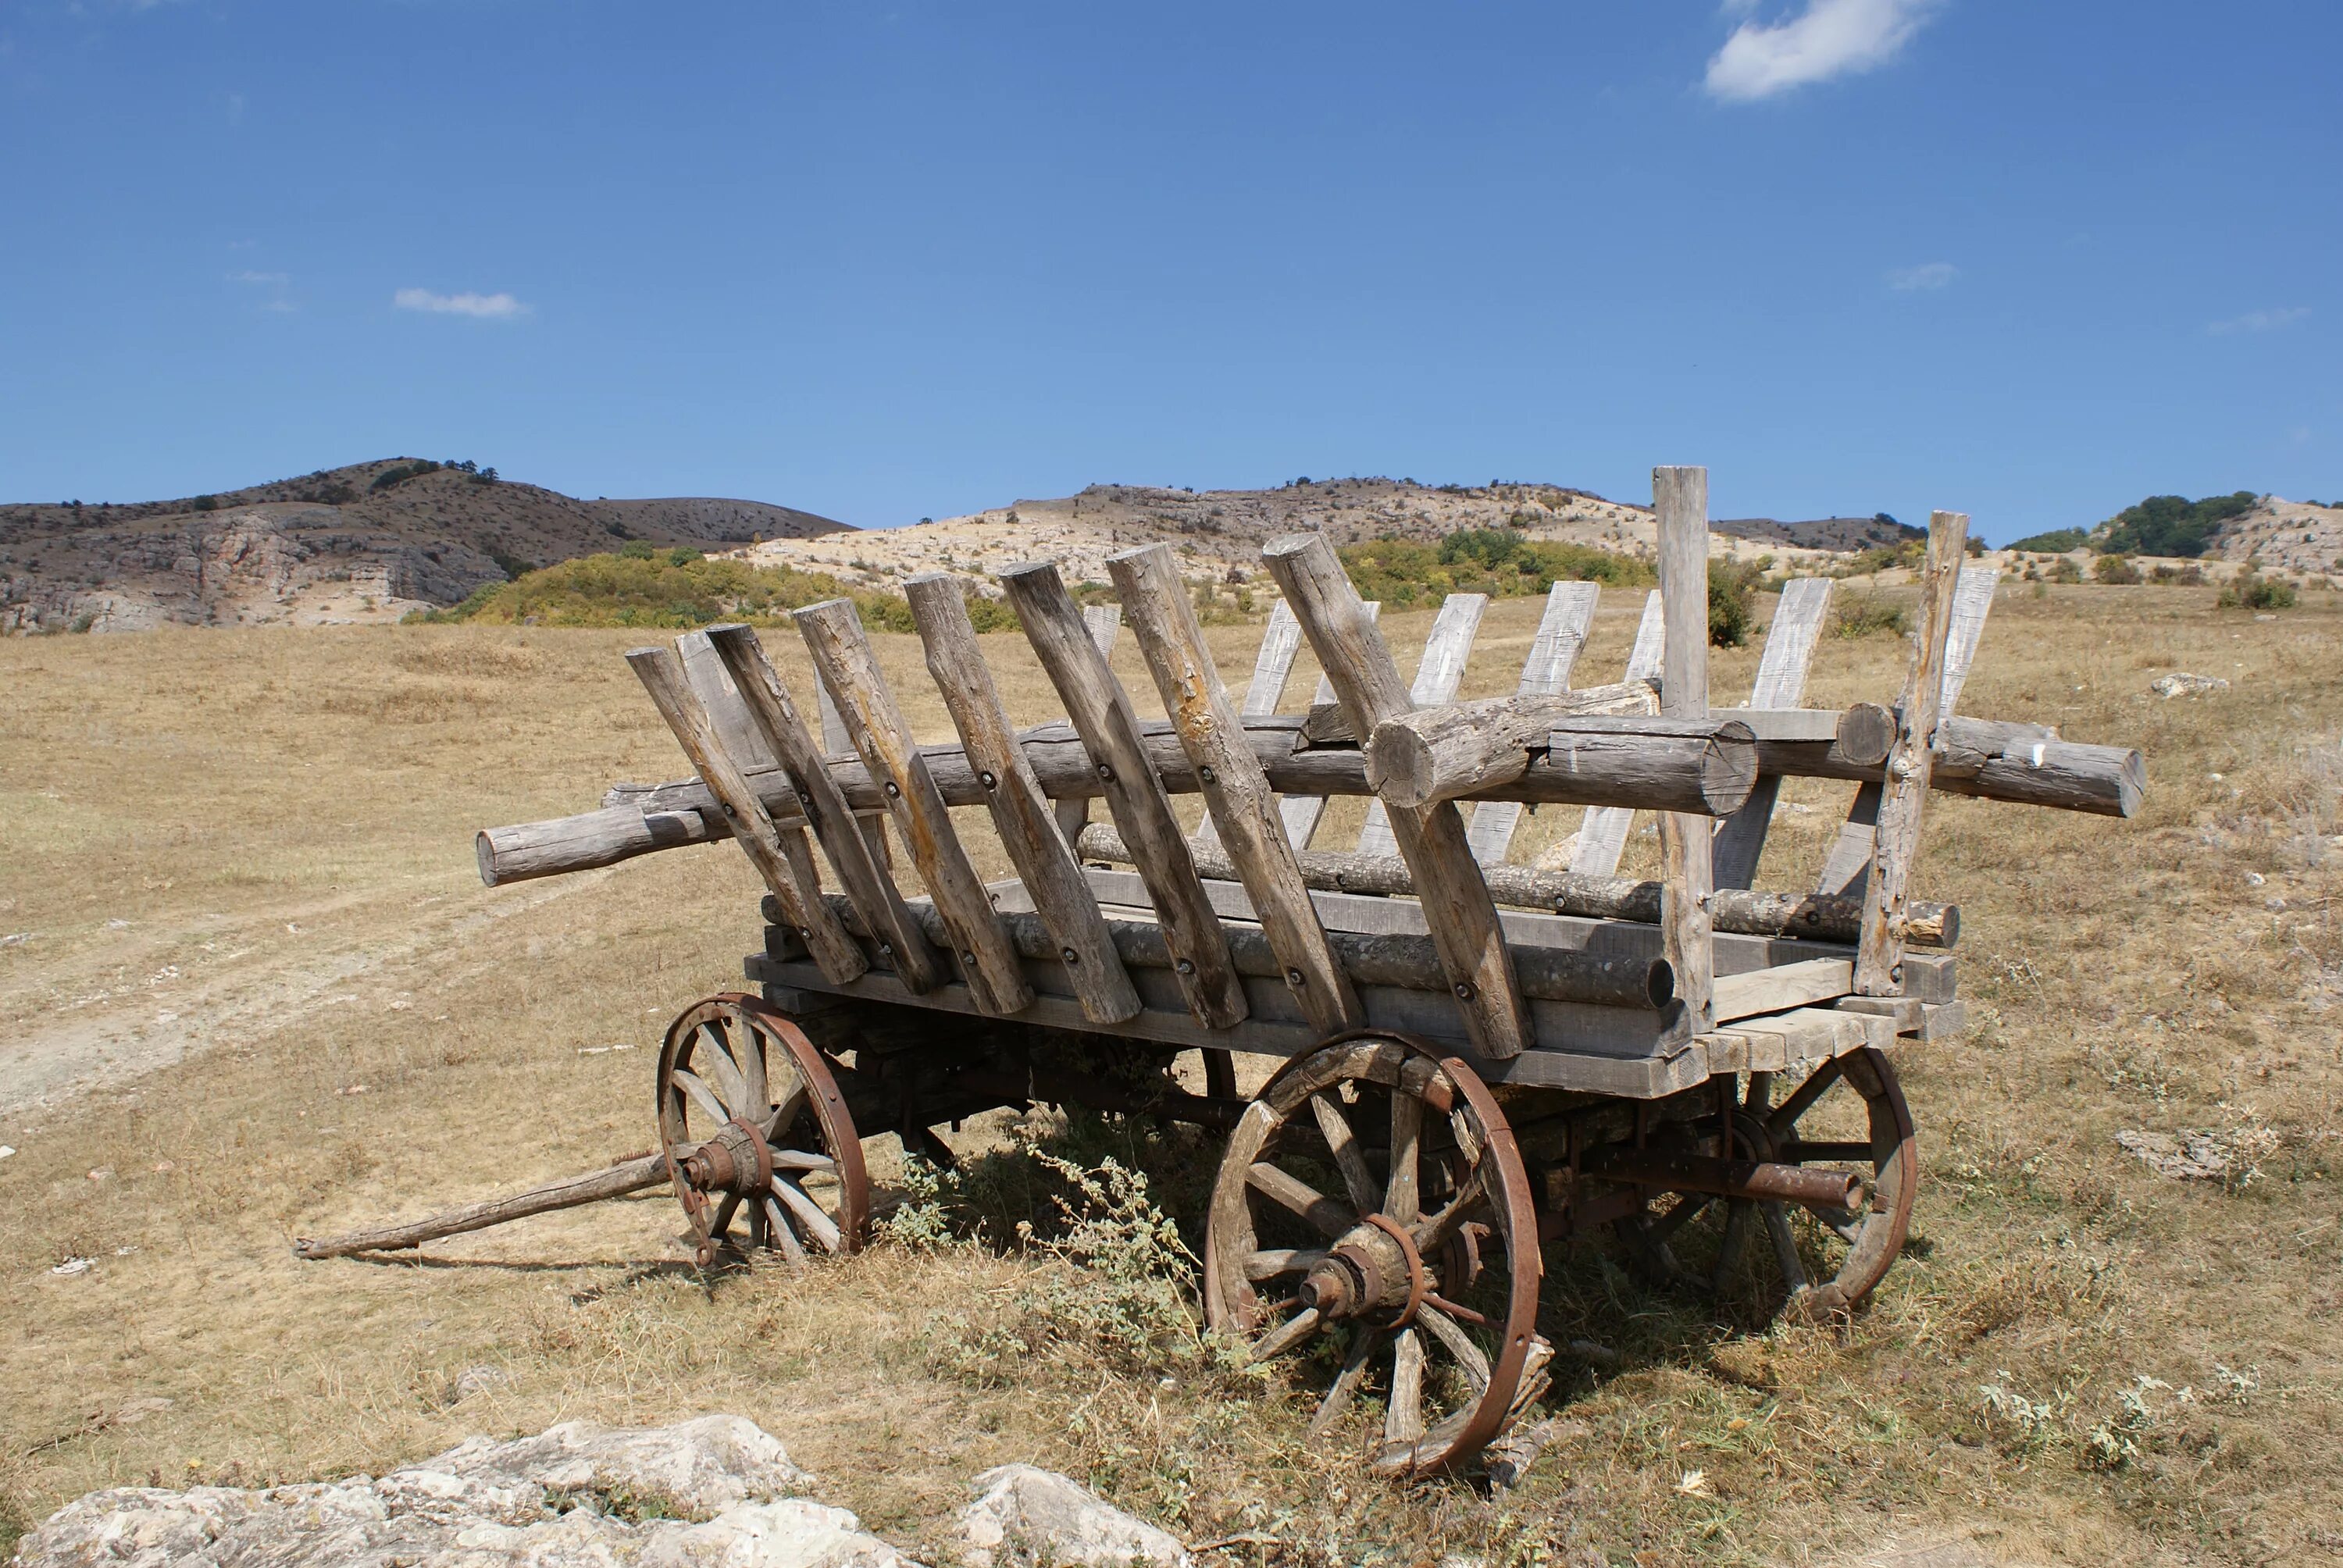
(1609, 750)
(1272, 667)
(1104, 624)
(663, 675)
(1775, 990)
(842, 652)
(1603, 834)
(1020, 811)
(1445, 653)
(1561, 633)
(1432, 840)
(786, 737)
(1303, 812)
(1781, 682)
(1101, 714)
(1680, 498)
(728, 716)
(1904, 794)
(1236, 789)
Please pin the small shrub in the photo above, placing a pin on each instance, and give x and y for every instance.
(638, 550)
(1732, 595)
(2254, 591)
(1868, 615)
(206, 503)
(399, 474)
(2116, 570)
(2065, 570)
(2057, 541)
(683, 555)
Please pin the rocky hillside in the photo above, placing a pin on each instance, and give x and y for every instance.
(1221, 531)
(362, 543)
(2284, 535)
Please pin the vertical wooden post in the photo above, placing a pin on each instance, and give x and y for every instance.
(1561, 633)
(1445, 651)
(1680, 498)
(1062, 897)
(661, 673)
(842, 652)
(1466, 931)
(1280, 640)
(1603, 832)
(1879, 955)
(1303, 813)
(1234, 786)
(1101, 715)
(1781, 683)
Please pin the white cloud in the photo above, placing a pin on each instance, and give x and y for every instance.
(2261, 321)
(1828, 38)
(1928, 274)
(487, 307)
(278, 279)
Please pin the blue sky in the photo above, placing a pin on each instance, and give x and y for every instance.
(890, 260)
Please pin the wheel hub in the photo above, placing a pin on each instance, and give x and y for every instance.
(737, 1160)
(1373, 1268)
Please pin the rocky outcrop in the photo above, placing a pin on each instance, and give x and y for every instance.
(713, 1491)
(1026, 1517)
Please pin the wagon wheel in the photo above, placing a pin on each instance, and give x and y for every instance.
(1373, 1194)
(1848, 1114)
(754, 1129)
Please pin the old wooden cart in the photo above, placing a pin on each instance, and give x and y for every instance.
(1478, 1058)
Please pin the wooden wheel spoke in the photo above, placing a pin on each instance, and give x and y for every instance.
(1285, 1336)
(1348, 1156)
(1737, 1216)
(1785, 1246)
(799, 1160)
(1403, 1417)
(1688, 1207)
(1844, 1223)
(778, 1224)
(1785, 1115)
(1433, 1233)
(1451, 1333)
(701, 1095)
(1346, 1382)
(793, 1101)
(1402, 1196)
(808, 1212)
(758, 1227)
(753, 1074)
(1294, 1193)
(731, 1086)
(725, 1210)
(1271, 1262)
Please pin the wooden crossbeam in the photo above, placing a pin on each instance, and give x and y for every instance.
(1445, 653)
(833, 634)
(798, 890)
(1464, 917)
(1561, 633)
(1781, 682)
(1101, 715)
(1236, 790)
(1020, 811)
(1603, 834)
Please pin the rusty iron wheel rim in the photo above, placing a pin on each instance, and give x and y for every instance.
(1886, 1160)
(753, 1053)
(1481, 1165)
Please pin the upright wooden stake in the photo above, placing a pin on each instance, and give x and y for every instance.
(1880, 954)
(1303, 813)
(1603, 833)
(1781, 683)
(1561, 633)
(1463, 916)
(1437, 677)
(1680, 498)
(1280, 640)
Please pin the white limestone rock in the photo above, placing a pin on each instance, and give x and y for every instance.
(1027, 1517)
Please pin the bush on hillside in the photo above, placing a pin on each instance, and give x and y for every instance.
(2252, 590)
(1867, 615)
(2056, 542)
(1499, 562)
(1731, 601)
(1911, 553)
(2117, 571)
(680, 588)
(2172, 525)
(399, 474)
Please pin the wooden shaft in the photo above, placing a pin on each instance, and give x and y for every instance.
(1680, 499)
(1990, 759)
(1561, 633)
(1399, 961)
(661, 673)
(1236, 789)
(1100, 712)
(1471, 944)
(740, 740)
(1809, 917)
(782, 729)
(1020, 811)
(1905, 792)
(1605, 751)
(833, 634)
(627, 1176)
(1437, 675)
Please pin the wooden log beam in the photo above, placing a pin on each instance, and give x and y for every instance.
(1603, 834)
(1561, 634)
(1743, 911)
(1476, 961)
(1437, 675)
(1236, 788)
(1020, 811)
(631, 1175)
(1101, 711)
(1680, 500)
(1603, 742)
(1781, 682)
(833, 635)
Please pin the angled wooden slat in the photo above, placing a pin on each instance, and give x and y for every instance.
(1104, 624)
(1303, 813)
(1561, 633)
(1273, 666)
(663, 675)
(1781, 683)
(867, 884)
(1680, 499)
(1456, 902)
(837, 742)
(1849, 862)
(1236, 790)
(1603, 833)
(1445, 653)
(1045, 862)
(842, 652)
(727, 715)
(1101, 715)
(1904, 795)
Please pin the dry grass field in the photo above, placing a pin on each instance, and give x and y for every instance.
(252, 989)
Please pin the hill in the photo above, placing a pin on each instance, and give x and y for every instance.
(1219, 533)
(365, 542)
(1878, 531)
(2270, 531)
